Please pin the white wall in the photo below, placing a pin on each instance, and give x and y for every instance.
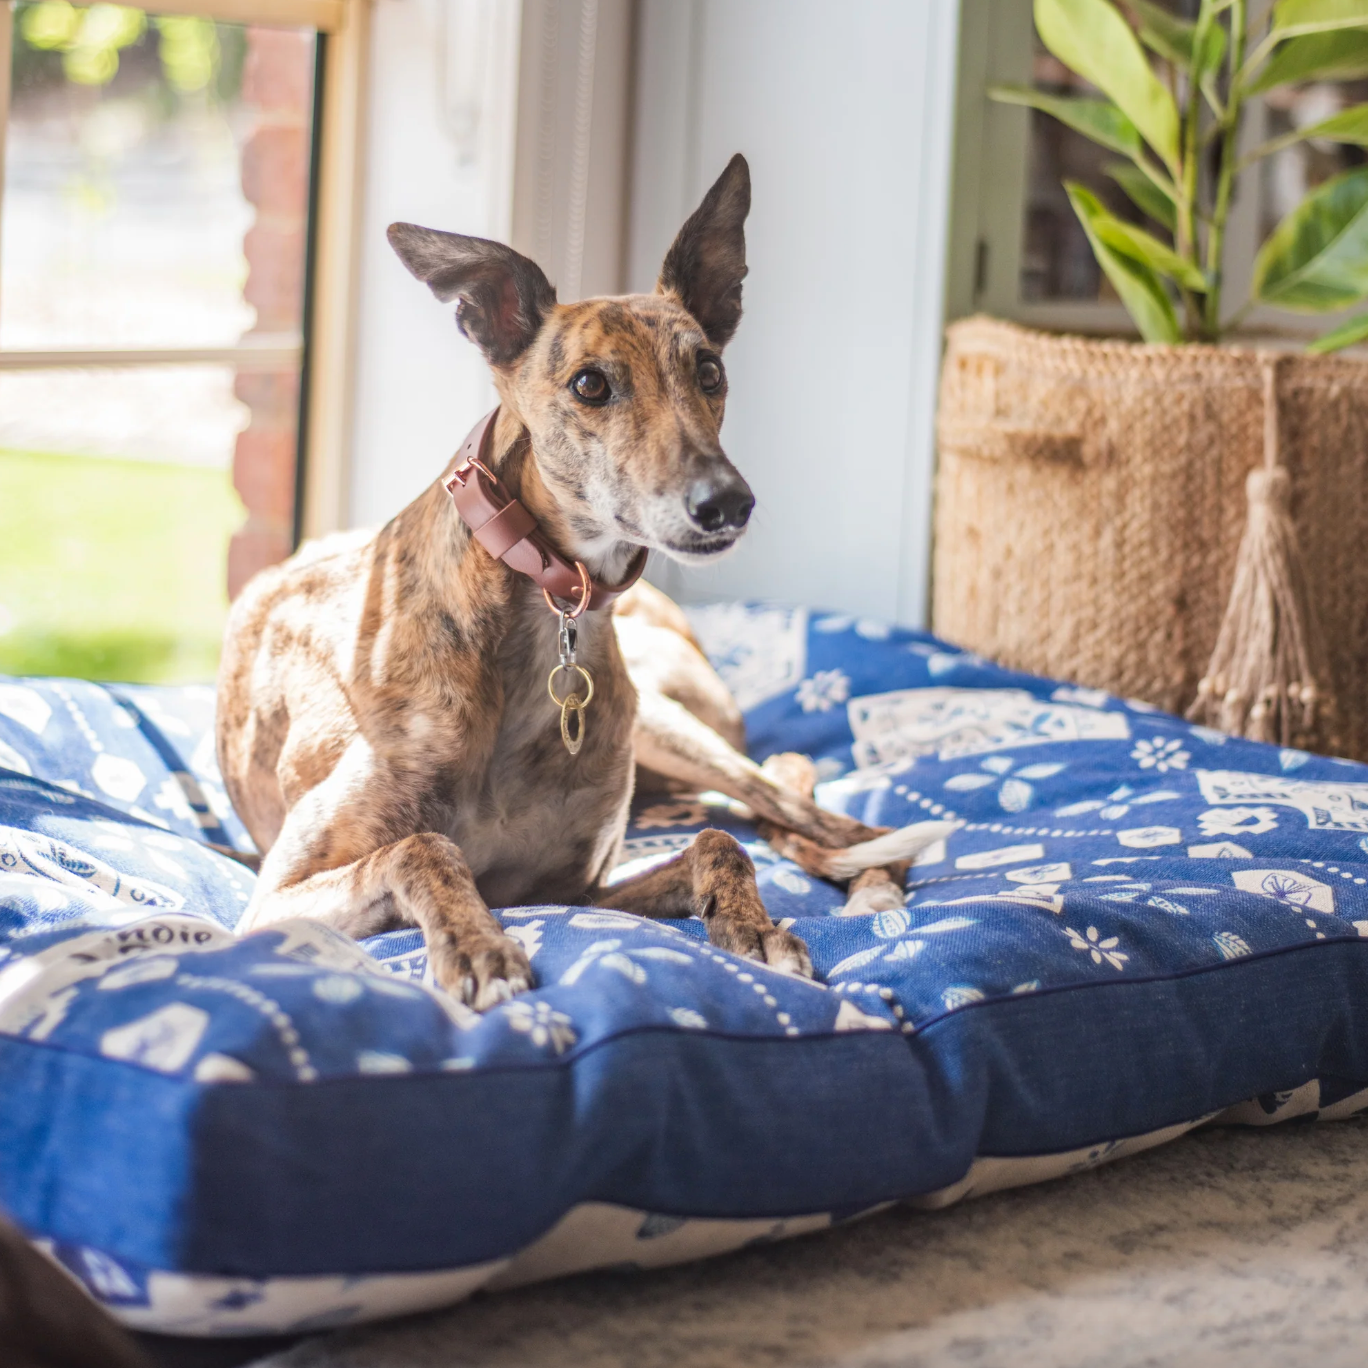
(506, 119)
(845, 114)
(574, 118)
(440, 125)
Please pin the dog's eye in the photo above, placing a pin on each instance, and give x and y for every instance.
(592, 386)
(709, 374)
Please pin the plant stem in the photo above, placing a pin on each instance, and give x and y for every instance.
(1272, 146)
(1225, 177)
(1255, 58)
(1168, 186)
(1188, 244)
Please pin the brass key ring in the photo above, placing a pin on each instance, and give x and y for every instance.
(566, 701)
(571, 703)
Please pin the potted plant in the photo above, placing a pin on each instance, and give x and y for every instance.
(1091, 495)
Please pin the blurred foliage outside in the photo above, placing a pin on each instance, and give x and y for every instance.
(167, 55)
(145, 542)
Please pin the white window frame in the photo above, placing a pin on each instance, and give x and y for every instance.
(343, 26)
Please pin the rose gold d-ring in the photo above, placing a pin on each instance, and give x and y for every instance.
(462, 473)
(583, 597)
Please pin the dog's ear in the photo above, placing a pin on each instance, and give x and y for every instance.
(706, 264)
(503, 296)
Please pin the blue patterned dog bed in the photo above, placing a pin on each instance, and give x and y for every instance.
(1140, 926)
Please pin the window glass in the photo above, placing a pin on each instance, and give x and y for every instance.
(1056, 261)
(1289, 174)
(116, 513)
(156, 193)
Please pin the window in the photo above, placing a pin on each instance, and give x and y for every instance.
(155, 253)
(1019, 250)
(1056, 261)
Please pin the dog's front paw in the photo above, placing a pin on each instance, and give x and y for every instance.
(764, 942)
(783, 950)
(481, 973)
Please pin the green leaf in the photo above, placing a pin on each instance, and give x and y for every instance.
(1144, 194)
(1316, 259)
(1348, 126)
(1141, 290)
(1143, 247)
(1213, 50)
(1163, 32)
(1096, 119)
(1355, 330)
(1294, 17)
(1174, 39)
(1091, 38)
(1338, 56)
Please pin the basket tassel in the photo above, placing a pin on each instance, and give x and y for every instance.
(1267, 678)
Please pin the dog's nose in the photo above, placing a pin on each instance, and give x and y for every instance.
(716, 504)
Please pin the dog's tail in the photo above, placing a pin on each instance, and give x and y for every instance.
(840, 865)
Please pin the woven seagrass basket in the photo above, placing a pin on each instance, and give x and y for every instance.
(1090, 501)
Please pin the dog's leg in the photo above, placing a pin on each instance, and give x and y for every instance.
(670, 740)
(423, 881)
(876, 890)
(792, 771)
(873, 890)
(713, 879)
(336, 862)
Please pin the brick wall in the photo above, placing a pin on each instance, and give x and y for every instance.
(277, 86)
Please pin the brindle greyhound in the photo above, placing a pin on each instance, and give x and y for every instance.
(384, 728)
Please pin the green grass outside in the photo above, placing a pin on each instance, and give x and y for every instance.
(113, 569)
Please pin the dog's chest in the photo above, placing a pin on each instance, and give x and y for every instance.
(533, 821)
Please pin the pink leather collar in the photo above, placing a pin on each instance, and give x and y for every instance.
(511, 534)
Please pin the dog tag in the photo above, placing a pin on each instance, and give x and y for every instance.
(573, 739)
(571, 703)
(571, 734)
